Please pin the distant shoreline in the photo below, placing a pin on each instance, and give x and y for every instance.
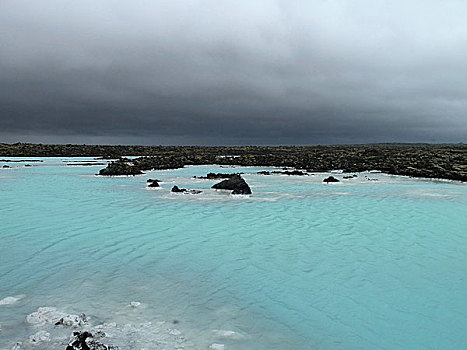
(444, 161)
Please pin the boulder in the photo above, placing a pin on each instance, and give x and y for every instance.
(176, 189)
(120, 168)
(153, 183)
(86, 341)
(330, 179)
(235, 183)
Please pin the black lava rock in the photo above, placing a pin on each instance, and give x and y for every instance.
(330, 179)
(85, 341)
(153, 183)
(120, 168)
(176, 189)
(235, 183)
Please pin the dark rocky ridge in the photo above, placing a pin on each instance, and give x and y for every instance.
(120, 168)
(213, 176)
(448, 161)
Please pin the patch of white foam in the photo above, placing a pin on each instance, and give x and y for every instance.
(11, 300)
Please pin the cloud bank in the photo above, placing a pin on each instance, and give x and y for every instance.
(233, 72)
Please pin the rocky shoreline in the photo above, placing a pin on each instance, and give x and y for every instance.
(444, 161)
(51, 328)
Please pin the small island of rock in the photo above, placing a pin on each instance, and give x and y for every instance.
(235, 183)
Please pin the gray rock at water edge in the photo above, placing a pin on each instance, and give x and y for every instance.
(330, 179)
(87, 341)
(235, 183)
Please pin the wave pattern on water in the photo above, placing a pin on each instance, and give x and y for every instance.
(297, 265)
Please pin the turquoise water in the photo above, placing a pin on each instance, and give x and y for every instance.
(298, 265)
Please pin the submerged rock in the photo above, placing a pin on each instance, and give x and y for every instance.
(235, 183)
(120, 168)
(330, 179)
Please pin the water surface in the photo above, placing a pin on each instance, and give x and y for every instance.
(298, 265)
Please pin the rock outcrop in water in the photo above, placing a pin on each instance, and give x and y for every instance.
(153, 183)
(235, 183)
(120, 168)
(330, 179)
(215, 176)
(176, 189)
(87, 341)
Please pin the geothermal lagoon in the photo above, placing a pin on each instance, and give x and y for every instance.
(371, 262)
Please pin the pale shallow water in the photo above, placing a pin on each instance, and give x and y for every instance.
(298, 265)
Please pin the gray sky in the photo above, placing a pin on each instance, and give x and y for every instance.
(233, 72)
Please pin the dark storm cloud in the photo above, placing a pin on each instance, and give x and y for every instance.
(220, 72)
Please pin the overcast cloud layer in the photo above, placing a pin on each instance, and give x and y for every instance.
(233, 72)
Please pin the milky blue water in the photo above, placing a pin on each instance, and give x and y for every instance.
(298, 265)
